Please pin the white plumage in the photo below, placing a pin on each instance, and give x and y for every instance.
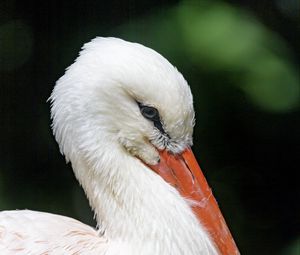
(100, 130)
(29, 232)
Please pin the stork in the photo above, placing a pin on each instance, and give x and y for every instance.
(123, 117)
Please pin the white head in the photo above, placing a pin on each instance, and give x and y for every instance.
(101, 94)
(116, 109)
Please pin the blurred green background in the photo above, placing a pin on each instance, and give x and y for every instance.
(241, 59)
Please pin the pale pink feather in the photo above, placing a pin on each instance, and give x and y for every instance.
(25, 232)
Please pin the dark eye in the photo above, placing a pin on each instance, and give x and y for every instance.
(152, 114)
(149, 112)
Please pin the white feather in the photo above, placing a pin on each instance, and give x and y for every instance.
(100, 130)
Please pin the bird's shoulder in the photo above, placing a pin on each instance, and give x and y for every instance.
(32, 232)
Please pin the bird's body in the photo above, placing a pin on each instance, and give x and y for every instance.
(115, 109)
(26, 232)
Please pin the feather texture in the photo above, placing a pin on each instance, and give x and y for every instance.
(100, 130)
(28, 232)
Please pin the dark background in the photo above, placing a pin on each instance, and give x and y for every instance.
(241, 59)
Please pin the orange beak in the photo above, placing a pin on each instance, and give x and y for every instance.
(183, 172)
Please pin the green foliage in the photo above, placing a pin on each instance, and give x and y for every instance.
(216, 37)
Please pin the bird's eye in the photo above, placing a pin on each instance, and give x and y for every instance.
(150, 113)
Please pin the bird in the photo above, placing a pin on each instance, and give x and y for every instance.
(123, 117)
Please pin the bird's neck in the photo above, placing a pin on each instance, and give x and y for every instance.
(138, 208)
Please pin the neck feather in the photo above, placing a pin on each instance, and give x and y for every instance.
(136, 206)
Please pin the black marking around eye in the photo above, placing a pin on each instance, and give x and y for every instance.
(159, 126)
(152, 114)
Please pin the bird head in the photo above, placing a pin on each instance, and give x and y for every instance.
(122, 96)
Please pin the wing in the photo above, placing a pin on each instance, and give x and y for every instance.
(36, 233)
